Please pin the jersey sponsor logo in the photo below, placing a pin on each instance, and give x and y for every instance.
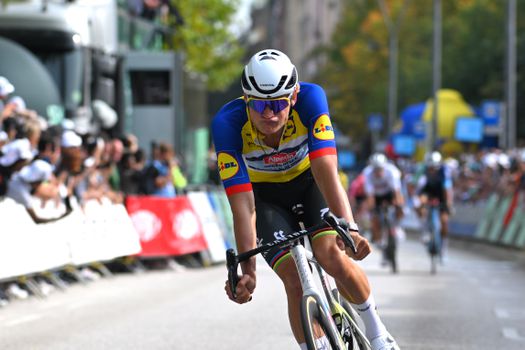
(280, 158)
(279, 235)
(228, 165)
(323, 129)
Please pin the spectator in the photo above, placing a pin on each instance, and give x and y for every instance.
(177, 175)
(4, 138)
(213, 171)
(24, 184)
(162, 176)
(15, 155)
(6, 88)
(15, 107)
(131, 169)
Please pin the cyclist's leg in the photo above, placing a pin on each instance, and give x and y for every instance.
(375, 222)
(351, 280)
(444, 217)
(273, 221)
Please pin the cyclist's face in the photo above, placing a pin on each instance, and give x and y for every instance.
(271, 120)
(378, 171)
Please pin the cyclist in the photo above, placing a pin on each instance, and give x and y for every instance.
(275, 148)
(382, 186)
(357, 197)
(435, 183)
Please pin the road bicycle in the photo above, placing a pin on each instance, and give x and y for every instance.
(327, 309)
(433, 225)
(387, 218)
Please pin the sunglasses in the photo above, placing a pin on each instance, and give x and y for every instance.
(276, 105)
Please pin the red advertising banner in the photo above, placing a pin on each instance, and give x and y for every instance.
(166, 226)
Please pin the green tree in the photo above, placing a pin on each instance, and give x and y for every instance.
(356, 72)
(210, 47)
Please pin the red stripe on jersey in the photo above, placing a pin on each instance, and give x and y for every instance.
(238, 188)
(323, 152)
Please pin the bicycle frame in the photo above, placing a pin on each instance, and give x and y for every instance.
(434, 227)
(299, 255)
(302, 258)
(387, 217)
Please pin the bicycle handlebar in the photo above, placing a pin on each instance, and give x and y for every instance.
(340, 225)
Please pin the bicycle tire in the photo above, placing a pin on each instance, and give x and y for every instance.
(311, 312)
(391, 251)
(434, 246)
(357, 340)
(351, 332)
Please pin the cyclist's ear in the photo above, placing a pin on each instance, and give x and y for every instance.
(293, 99)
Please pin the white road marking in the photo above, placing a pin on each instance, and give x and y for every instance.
(506, 293)
(509, 314)
(77, 305)
(20, 320)
(512, 333)
(432, 347)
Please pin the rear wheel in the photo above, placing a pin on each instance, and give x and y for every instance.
(313, 319)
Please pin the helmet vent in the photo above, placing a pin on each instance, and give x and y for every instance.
(293, 80)
(244, 82)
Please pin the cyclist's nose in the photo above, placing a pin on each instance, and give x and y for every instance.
(267, 113)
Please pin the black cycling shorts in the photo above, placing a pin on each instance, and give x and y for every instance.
(384, 199)
(273, 205)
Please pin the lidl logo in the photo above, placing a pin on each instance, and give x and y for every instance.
(323, 129)
(228, 165)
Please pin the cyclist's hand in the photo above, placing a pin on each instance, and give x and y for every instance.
(244, 289)
(361, 244)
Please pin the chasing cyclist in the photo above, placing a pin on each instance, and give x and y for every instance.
(435, 184)
(275, 148)
(382, 186)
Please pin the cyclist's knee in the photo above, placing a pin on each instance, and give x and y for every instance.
(287, 272)
(334, 261)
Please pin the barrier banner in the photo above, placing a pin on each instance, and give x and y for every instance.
(166, 226)
(212, 230)
(95, 232)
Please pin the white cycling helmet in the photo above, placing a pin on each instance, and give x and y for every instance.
(433, 159)
(378, 160)
(269, 74)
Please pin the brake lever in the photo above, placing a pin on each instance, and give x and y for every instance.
(232, 263)
(342, 228)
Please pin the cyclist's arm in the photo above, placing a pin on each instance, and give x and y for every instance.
(449, 189)
(243, 209)
(396, 184)
(324, 170)
(326, 176)
(369, 189)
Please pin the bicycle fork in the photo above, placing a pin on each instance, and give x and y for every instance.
(299, 254)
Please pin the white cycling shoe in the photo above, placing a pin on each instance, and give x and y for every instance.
(384, 342)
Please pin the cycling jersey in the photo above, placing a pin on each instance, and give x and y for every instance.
(244, 159)
(435, 183)
(389, 181)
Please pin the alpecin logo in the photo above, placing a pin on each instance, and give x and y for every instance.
(323, 129)
(228, 165)
(279, 158)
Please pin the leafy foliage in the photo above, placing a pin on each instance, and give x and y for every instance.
(210, 47)
(473, 41)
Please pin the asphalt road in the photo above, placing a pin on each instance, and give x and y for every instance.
(476, 301)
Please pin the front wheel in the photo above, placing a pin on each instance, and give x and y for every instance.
(390, 250)
(314, 319)
(347, 322)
